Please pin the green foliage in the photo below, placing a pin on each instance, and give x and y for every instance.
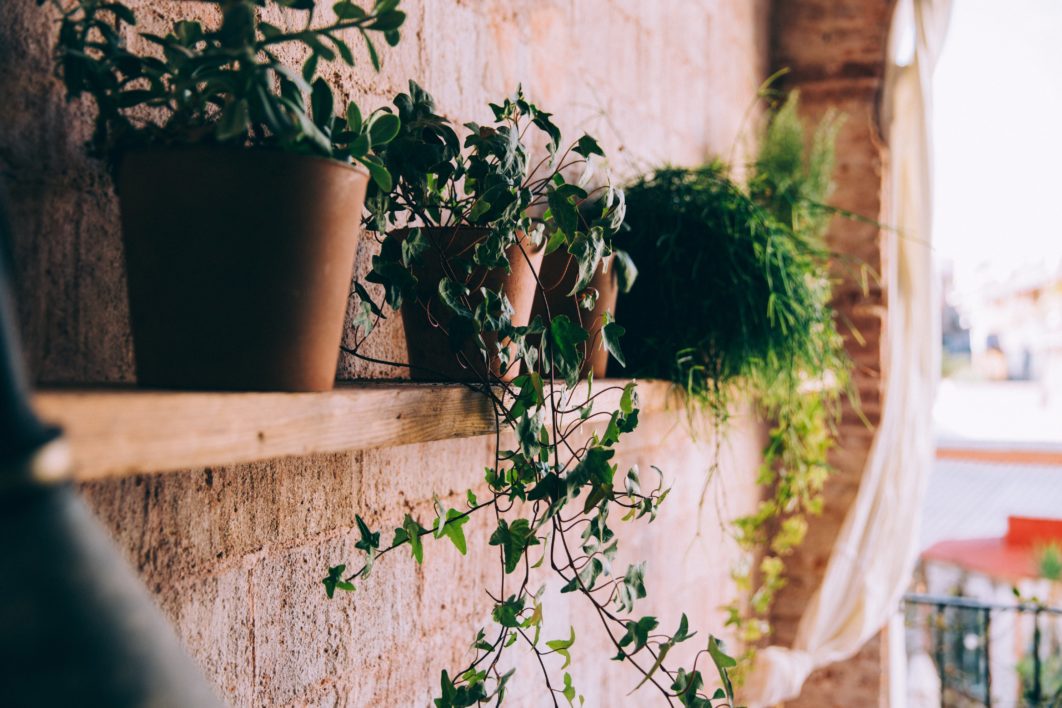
(225, 85)
(487, 181)
(551, 499)
(1049, 561)
(725, 292)
(793, 176)
(1050, 680)
(733, 296)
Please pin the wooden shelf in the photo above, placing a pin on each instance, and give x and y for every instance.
(117, 432)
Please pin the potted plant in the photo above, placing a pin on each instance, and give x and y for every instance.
(593, 308)
(466, 224)
(240, 186)
(734, 295)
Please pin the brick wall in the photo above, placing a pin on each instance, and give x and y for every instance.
(835, 50)
(234, 555)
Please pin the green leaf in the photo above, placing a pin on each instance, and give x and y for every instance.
(470, 693)
(687, 687)
(353, 117)
(610, 336)
(631, 587)
(637, 634)
(414, 245)
(451, 528)
(507, 613)
(563, 210)
(383, 128)
(717, 650)
(343, 49)
(334, 581)
(309, 67)
(321, 104)
(569, 690)
(588, 249)
(347, 10)
(683, 632)
(661, 655)
(374, 57)
(628, 399)
(123, 13)
(723, 663)
(626, 270)
(380, 175)
(452, 294)
(561, 646)
(514, 539)
(388, 21)
(566, 336)
(410, 533)
(369, 539)
(587, 146)
(556, 240)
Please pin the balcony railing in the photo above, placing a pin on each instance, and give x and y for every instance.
(989, 654)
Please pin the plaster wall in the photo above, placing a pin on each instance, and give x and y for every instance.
(234, 555)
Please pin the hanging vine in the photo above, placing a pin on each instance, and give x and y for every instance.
(554, 489)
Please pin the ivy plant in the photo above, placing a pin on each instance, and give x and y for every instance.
(734, 296)
(487, 181)
(225, 85)
(555, 490)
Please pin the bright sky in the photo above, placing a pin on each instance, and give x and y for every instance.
(998, 137)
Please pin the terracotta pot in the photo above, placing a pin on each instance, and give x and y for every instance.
(426, 320)
(239, 265)
(559, 273)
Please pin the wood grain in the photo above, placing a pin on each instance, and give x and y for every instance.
(124, 431)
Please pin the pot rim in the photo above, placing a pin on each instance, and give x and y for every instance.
(357, 167)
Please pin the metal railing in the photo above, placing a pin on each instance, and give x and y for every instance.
(967, 648)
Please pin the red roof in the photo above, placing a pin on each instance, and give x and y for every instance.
(1012, 558)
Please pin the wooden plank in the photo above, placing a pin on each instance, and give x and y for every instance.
(118, 432)
(121, 432)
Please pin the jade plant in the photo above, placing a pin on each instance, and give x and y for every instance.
(555, 492)
(734, 297)
(226, 85)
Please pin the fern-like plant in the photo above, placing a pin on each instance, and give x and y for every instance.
(734, 298)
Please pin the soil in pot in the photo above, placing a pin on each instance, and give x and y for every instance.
(559, 274)
(426, 320)
(239, 265)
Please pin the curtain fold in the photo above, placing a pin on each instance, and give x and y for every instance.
(874, 555)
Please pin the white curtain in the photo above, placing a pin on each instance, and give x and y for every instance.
(874, 555)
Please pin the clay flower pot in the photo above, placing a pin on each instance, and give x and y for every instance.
(559, 273)
(239, 265)
(426, 319)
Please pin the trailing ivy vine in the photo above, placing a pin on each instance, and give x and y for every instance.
(555, 490)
